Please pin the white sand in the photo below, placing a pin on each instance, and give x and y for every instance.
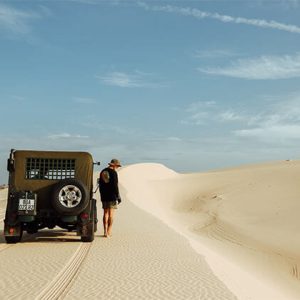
(143, 260)
(243, 224)
(245, 221)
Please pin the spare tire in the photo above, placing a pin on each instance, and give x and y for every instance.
(70, 197)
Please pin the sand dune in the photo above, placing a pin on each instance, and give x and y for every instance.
(244, 220)
(144, 259)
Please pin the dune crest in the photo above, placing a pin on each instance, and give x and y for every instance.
(248, 217)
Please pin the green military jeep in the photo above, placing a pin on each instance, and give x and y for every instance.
(48, 189)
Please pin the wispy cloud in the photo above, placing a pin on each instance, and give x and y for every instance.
(199, 14)
(265, 67)
(15, 20)
(275, 132)
(136, 79)
(277, 117)
(121, 79)
(198, 112)
(206, 112)
(230, 115)
(279, 121)
(67, 136)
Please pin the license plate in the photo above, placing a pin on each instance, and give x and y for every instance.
(26, 204)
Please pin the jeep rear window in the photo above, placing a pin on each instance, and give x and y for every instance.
(49, 168)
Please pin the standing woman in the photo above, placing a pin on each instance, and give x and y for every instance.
(110, 196)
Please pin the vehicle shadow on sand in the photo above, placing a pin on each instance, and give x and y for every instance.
(45, 236)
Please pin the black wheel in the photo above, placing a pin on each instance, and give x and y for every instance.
(14, 239)
(70, 197)
(90, 228)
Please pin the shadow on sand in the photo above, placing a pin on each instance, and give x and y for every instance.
(43, 236)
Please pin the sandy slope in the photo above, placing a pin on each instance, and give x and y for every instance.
(244, 223)
(143, 260)
(244, 220)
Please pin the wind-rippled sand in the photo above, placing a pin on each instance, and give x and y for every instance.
(245, 221)
(144, 259)
(229, 234)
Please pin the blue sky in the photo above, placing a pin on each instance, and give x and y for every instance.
(195, 85)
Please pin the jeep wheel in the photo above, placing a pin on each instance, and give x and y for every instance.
(90, 229)
(70, 197)
(14, 239)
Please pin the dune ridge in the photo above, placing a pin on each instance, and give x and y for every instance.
(243, 220)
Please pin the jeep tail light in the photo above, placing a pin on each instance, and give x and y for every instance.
(84, 216)
(11, 230)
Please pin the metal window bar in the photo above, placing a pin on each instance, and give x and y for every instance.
(48, 168)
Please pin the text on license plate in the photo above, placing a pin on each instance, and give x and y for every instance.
(26, 204)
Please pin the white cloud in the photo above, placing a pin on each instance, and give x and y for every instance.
(230, 115)
(121, 79)
(278, 121)
(205, 112)
(199, 112)
(14, 20)
(276, 132)
(275, 120)
(288, 110)
(199, 14)
(67, 136)
(134, 80)
(265, 67)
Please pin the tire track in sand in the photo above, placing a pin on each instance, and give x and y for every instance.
(64, 279)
